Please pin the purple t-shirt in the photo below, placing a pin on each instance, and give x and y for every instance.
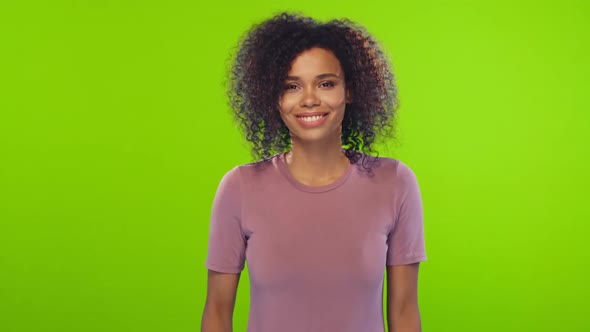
(316, 255)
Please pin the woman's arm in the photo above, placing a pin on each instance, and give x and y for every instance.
(403, 314)
(221, 298)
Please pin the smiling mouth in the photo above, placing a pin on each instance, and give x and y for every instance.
(311, 118)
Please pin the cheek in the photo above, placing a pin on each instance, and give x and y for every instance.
(336, 101)
(286, 104)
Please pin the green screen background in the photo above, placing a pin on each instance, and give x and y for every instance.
(114, 133)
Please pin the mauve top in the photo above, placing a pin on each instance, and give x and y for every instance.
(316, 255)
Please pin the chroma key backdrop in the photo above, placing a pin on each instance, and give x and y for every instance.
(115, 132)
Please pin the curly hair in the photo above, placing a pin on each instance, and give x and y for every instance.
(263, 59)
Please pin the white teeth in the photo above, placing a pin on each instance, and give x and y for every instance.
(311, 118)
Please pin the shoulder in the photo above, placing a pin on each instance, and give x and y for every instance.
(394, 169)
(248, 173)
(232, 176)
(230, 184)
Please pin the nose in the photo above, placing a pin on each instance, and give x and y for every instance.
(309, 99)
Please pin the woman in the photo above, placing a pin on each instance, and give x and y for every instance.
(317, 219)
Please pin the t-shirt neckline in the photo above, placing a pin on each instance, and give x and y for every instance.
(284, 169)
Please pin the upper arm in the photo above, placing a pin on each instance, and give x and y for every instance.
(406, 236)
(221, 297)
(402, 287)
(225, 255)
(406, 250)
(221, 291)
(227, 243)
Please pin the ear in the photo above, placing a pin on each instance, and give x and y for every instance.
(348, 97)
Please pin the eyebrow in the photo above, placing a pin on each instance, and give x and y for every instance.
(319, 77)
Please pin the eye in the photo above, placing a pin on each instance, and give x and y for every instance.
(327, 84)
(291, 86)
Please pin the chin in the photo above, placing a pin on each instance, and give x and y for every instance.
(315, 137)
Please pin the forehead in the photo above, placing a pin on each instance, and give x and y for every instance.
(315, 61)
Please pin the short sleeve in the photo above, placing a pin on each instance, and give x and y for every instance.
(227, 244)
(406, 237)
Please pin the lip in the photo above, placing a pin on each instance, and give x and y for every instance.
(311, 124)
(311, 113)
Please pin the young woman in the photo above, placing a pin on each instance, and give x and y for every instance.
(317, 219)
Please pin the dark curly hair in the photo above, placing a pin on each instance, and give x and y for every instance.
(263, 59)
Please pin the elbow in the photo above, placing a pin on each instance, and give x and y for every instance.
(404, 319)
(217, 318)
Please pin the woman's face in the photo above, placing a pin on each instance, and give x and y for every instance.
(314, 97)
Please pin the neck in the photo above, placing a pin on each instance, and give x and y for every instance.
(317, 163)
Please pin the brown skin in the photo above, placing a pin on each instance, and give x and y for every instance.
(403, 314)
(221, 298)
(316, 83)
